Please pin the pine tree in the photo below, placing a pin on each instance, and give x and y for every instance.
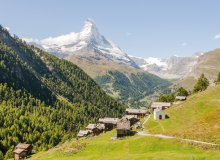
(201, 84)
(218, 78)
(182, 92)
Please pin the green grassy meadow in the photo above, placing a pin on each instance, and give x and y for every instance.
(132, 148)
(197, 118)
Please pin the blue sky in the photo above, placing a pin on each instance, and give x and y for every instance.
(158, 28)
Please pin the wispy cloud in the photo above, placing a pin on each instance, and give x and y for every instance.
(184, 44)
(217, 36)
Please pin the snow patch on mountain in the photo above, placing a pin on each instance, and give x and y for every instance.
(174, 67)
(86, 43)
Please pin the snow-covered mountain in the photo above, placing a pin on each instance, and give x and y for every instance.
(86, 43)
(90, 50)
(171, 68)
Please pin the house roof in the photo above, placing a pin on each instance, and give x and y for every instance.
(131, 116)
(108, 120)
(19, 150)
(100, 126)
(91, 126)
(83, 133)
(23, 146)
(181, 97)
(136, 111)
(124, 124)
(160, 104)
(158, 110)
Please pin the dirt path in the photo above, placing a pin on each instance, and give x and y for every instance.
(145, 133)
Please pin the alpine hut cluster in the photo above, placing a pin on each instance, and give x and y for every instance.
(123, 125)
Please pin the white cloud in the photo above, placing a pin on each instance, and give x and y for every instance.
(217, 36)
(184, 44)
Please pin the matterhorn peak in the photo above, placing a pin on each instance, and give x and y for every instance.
(89, 28)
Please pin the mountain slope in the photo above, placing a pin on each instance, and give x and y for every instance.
(98, 56)
(171, 68)
(88, 43)
(50, 98)
(208, 63)
(197, 118)
(132, 88)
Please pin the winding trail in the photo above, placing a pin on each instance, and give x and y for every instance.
(145, 133)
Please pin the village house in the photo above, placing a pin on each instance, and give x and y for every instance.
(132, 118)
(180, 98)
(110, 123)
(160, 105)
(159, 114)
(96, 129)
(123, 127)
(83, 133)
(138, 112)
(22, 151)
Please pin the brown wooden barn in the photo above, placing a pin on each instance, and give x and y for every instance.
(22, 151)
(123, 127)
(110, 123)
(132, 118)
(96, 129)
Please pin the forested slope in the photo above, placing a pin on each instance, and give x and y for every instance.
(44, 100)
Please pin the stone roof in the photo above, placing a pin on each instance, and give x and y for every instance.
(83, 133)
(130, 116)
(123, 124)
(160, 104)
(100, 126)
(108, 120)
(91, 126)
(19, 150)
(136, 111)
(23, 146)
(181, 97)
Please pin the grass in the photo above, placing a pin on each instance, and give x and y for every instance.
(197, 118)
(132, 148)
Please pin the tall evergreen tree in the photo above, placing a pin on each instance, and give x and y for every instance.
(201, 84)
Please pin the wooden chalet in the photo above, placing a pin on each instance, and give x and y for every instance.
(123, 127)
(137, 112)
(180, 98)
(83, 133)
(160, 105)
(132, 118)
(96, 129)
(109, 123)
(22, 151)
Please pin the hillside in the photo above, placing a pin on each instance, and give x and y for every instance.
(132, 148)
(98, 56)
(207, 63)
(45, 100)
(197, 118)
(132, 88)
